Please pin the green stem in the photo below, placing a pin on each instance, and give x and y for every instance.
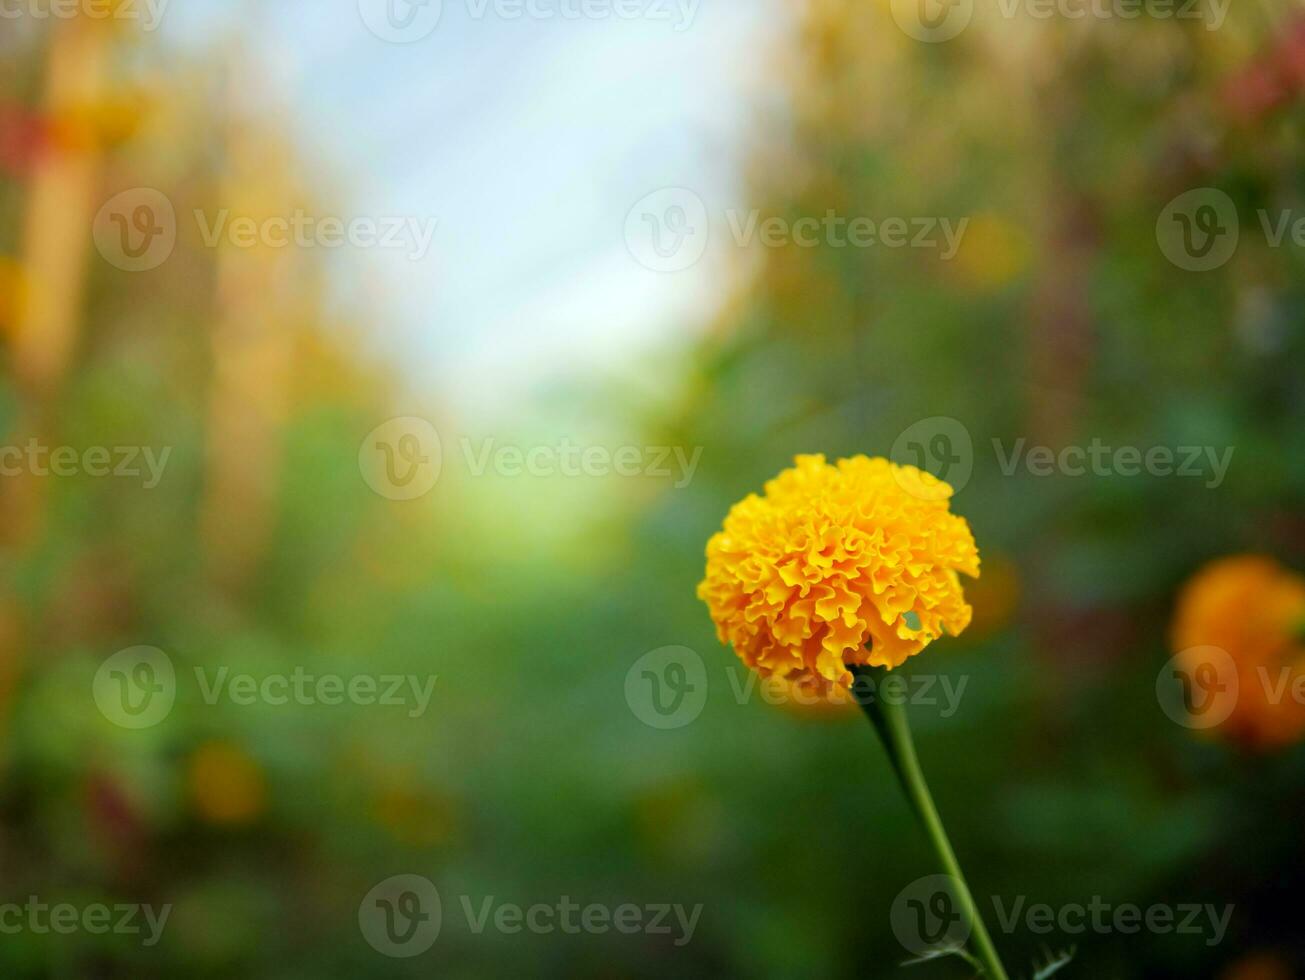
(889, 718)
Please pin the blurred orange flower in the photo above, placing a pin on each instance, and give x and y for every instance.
(1259, 966)
(415, 815)
(995, 597)
(1253, 609)
(227, 787)
(833, 558)
(13, 294)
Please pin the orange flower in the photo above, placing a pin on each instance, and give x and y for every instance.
(832, 559)
(1259, 966)
(1252, 609)
(13, 294)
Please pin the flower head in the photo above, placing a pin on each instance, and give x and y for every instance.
(855, 563)
(1251, 609)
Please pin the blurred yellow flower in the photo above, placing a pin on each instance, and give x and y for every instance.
(226, 786)
(992, 253)
(1253, 609)
(833, 558)
(995, 597)
(13, 294)
(88, 126)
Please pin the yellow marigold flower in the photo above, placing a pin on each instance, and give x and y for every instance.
(832, 559)
(1253, 609)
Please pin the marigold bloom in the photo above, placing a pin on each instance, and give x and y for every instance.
(1253, 609)
(832, 559)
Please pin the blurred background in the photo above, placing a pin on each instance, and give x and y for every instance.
(472, 424)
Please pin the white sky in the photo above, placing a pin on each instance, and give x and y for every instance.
(529, 140)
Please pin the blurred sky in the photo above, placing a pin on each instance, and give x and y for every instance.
(529, 140)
